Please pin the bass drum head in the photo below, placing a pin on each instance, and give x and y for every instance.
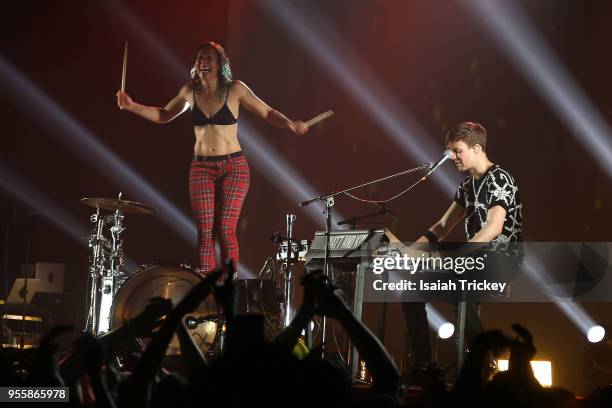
(169, 282)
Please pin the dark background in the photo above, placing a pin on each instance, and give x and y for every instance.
(434, 58)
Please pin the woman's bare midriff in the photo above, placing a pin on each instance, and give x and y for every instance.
(215, 140)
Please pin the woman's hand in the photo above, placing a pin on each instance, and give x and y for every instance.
(124, 101)
(298, 127)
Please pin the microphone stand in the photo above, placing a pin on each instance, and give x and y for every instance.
(328, 200)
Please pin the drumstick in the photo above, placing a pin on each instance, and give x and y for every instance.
(319, 118)
(124, 71)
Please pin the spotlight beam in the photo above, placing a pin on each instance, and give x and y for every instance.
(527, 49)
(80, 140)
(272, 166)
(21, 190)
(76, 137)
(31, 197)
(537, 273)
(363, 84)
(434, 318)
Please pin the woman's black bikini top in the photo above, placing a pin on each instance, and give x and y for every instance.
(224, 116)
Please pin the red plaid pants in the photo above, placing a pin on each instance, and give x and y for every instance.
(217, 188)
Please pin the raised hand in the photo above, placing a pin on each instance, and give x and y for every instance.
(493, 340)
(124, 101)
(522, 350)
(224, 293)
(197, 294)
(148, 319)
(298, 127)
(326, 301)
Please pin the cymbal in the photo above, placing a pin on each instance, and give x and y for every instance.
(125, 206)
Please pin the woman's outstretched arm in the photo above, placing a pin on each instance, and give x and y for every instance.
(174, 108)
(264, 111)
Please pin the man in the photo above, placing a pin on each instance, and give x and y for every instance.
(488, 200)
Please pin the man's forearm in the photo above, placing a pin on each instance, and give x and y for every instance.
(487, 234)
(435, 229)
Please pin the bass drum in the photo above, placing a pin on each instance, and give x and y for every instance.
(169, 282)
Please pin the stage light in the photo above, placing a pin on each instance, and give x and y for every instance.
(542, 370)
(321, 40)
(527, 49)
(446, 330)
(596, 334)
(597, 363)
(438, 323)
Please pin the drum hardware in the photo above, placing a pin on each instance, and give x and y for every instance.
(205, 323)
(192, 322)
(124, 206)
(287, 253)
(215, 347)
(105, 264)
(299, 247)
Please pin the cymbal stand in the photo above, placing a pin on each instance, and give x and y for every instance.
(96, 266)
(112, 276)
(105, 271)
(286, 268)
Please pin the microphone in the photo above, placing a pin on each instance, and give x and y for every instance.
(446, 155)
(192, 322)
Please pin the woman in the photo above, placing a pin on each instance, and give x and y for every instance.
(219, 175)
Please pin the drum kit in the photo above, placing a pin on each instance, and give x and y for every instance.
(116, 297)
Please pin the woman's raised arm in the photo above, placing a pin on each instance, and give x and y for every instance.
(174, 108)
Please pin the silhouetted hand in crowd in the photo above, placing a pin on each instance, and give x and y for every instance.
(522, 352)
(385, 376)
(135, 391)
(140, 326)
(91, 352)
(150, 318)
(224, 294)
(326, 300)
(476, 370)
(192, 356)
(288, 338)
(45, 369)
(518, 386)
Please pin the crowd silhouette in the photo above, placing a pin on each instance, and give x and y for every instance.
(255, 372)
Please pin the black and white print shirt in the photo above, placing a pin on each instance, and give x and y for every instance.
(495, 187)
